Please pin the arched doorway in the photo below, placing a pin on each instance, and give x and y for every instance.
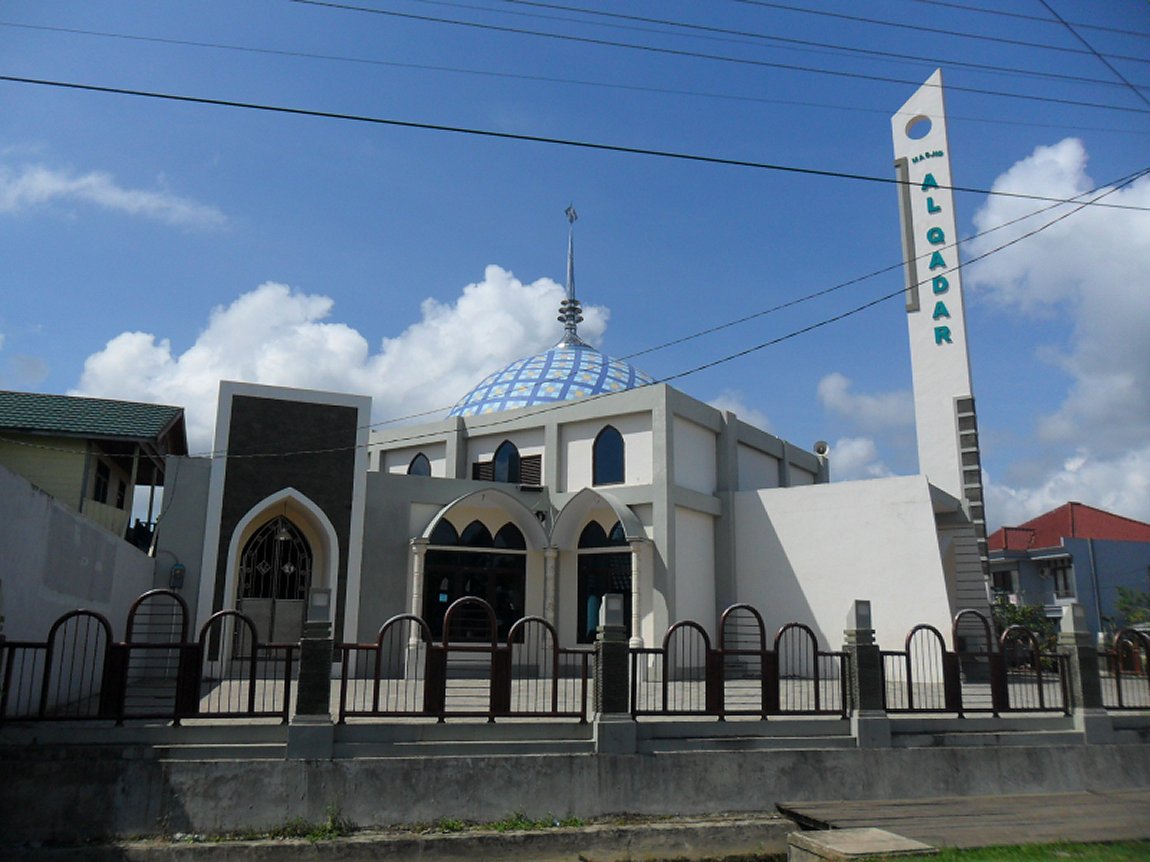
(604, 567)
(275, 574)
(474, 562)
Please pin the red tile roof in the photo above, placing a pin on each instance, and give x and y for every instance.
(1072, 520)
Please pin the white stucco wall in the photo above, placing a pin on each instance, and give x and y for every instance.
(529, 441)
(576, 440)
(398, 460)
(757, 469)
(56, 561)
(695, 464)
(694, 571)
(805, 554)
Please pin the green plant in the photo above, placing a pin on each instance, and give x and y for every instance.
(334, 825)
(1132, 607)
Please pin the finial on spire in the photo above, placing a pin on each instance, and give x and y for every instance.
(570, 312)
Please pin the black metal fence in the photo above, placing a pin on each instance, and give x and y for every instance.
(1012, 673)
(156, 672)
(686, 675)
(1125, 671)
(406, 673)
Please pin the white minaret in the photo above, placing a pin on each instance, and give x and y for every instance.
(945, 421)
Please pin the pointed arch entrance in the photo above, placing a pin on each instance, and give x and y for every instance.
(276, 566)
(282, 548)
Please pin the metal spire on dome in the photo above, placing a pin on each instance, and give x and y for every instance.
(570, 311)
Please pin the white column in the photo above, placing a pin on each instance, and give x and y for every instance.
(636, 593)
(550, 577)
(418, 552)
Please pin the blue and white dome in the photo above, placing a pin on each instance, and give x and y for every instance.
(564, 373)
(570, 370)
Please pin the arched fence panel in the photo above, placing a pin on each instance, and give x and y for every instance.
(245, 679)
(1125, 671)
(1036, 678)
(397, 675)
(982, 672)
(810, 681)
(406, 673)
(743, 676)
(922, 677)
(64, 677)
(149, 660)
(750, 672)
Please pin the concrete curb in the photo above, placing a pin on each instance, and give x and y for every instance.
(717, 839)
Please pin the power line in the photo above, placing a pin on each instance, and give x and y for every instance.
(698, 55)
(1024, 17)
(611, 85)
(806, 43)
(769, 4)
(1101, 59)
(537, 139)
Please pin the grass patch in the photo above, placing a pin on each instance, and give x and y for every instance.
(334, 825)
(515, 822)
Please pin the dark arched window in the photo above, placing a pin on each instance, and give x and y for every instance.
(419, 466)
(476, 535)
(607, 458)
(509, 536)
(444, 534)
(506, 463)
(603, 568)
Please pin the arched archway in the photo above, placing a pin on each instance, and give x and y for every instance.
(283, 547)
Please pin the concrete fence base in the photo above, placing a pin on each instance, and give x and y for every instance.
(77, 793)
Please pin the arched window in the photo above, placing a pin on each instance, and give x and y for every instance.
(506, 463)
(603, 569)
(492, 568)
(419, 466)
(607, 458)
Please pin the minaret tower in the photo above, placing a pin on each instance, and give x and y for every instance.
(945, 422)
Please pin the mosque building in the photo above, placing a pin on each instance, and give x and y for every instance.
(569, 475)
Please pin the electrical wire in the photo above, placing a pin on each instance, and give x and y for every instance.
(537, 139)
(610, 85)
(1024, 17)
(806, 43)
(858, 19)
(676, 52)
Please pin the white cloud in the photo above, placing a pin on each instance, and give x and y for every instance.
(866, 412)
(277, 336)
(1090, 269)
(34, 186)
(856, 458)
(1087, 270)
(733, 401)
(1120, 485)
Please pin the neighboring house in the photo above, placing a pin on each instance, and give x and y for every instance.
(1074, 553)
(91, 454)
(69, 471)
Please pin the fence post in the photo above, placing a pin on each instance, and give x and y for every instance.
(1085, 684)
(869, 721)
(613, 727)
(311, 734)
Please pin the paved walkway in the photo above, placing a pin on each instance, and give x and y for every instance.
(982, 821)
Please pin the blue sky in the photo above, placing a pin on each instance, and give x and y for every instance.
(152, 247)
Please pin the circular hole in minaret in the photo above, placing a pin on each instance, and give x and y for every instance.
(918, 128)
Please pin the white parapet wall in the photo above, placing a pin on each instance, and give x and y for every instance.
(805, 554)
(56, 561)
